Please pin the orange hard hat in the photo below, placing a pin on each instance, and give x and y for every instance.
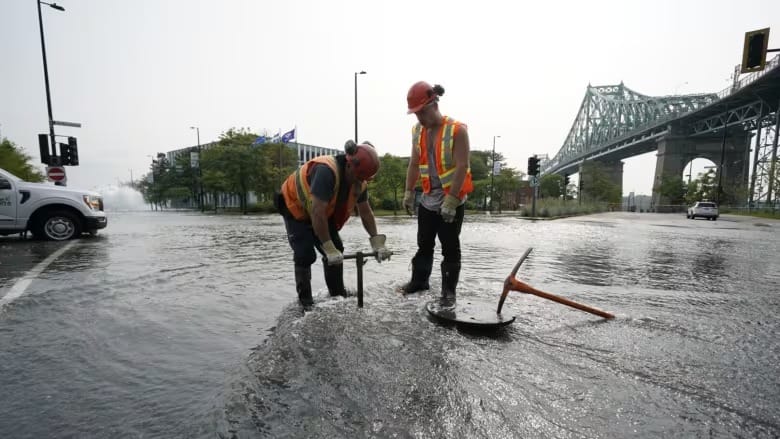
(420, 94)
(363, 161)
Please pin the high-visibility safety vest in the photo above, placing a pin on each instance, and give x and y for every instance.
(445, 160)
(298, 197)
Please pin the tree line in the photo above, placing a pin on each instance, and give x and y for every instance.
(235, 166)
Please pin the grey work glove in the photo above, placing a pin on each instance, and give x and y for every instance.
(449, 208)
(409, 202)
(332, 255)
(378, 245)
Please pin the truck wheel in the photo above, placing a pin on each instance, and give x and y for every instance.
(58, 225)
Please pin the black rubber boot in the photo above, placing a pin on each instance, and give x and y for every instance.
(421, 272)
(449, 282)
(303, 286)
(334, 279)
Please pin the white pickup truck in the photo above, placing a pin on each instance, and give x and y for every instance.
(48, 211)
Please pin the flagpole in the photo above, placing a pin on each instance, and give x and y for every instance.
(298, 146)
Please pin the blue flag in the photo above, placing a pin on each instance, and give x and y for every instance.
(289, 135)
(259, 141)
(276, 138)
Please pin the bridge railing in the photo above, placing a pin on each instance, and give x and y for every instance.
(774, 62)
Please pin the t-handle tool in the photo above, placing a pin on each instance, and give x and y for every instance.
(360, 260)
(511, 283)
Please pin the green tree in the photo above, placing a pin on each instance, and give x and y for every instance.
(597, 185)
(507, 186)
(15, 161)
(672, 187)
(240, 163)
(550, 185)
(479, 161)
(215, 180)
(481, 164)
(706, 186)
(278, 161)
(390, 181)
(154, 185)
(184, 180)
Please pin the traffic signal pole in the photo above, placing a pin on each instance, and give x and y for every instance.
(46, 81)
(533, 171)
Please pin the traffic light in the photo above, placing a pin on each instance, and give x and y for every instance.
(754, 50)
(566, 180)
(533, 165)
(74, 151)
(43, 146)
(69, 152)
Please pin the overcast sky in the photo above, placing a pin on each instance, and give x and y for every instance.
(137, 74)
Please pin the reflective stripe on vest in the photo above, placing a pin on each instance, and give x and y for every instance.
(298, 197)
(297, 191)
(445, 160)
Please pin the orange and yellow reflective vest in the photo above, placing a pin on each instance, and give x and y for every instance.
(298, 197)
(445, 161)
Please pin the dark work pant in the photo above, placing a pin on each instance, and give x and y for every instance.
(430, 225)
(303, 241)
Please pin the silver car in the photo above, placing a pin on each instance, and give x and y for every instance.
(703, 209)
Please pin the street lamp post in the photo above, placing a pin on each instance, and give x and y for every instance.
(362, 72)
(46, 74)
(200, 171)
(492, 171)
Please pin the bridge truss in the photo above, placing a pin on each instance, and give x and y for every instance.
(618, 122)
(613, 116)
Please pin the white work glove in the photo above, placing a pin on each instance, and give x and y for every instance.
(332, 255)
(448, 208)
(409, 202)
(378, 245)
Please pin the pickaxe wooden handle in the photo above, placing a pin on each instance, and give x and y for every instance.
(512, 284)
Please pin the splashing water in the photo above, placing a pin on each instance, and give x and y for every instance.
(122, 198)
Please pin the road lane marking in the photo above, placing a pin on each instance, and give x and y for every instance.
(20, 287)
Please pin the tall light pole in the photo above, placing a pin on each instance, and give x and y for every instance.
(46, 73)
(362, 72)
(492, 171)
(200, 171)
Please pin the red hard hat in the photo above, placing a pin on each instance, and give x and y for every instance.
(364, 162)
(420, 94)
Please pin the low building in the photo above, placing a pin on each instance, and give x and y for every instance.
(305, 153)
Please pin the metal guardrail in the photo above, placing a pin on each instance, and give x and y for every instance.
(742, 83)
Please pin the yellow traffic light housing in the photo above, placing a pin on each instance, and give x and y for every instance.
(754, 50)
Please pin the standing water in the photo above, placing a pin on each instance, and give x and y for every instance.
(185, 325)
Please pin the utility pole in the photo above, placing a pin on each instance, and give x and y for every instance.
(46, 75)
(492, 171)
(362, 72)
(200, 170)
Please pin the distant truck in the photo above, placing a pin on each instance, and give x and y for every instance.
(50, 212)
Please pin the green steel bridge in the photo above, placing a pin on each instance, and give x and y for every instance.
(615, 122)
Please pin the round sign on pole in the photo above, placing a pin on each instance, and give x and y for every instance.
(56, 174)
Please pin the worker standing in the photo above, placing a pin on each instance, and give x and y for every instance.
(440, 159)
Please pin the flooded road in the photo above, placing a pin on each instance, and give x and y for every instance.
(182, 325)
